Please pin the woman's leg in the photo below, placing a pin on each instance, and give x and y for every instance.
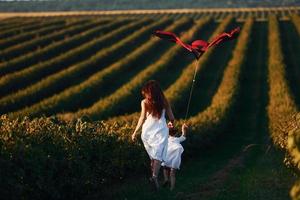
(172, 178)
(156, 167)
(166, 174)
(151, 165)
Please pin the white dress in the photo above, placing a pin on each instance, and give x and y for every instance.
(174, 152)
(154, 135)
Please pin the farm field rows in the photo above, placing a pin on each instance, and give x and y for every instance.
(70, 97)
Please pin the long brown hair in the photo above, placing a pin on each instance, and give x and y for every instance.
(155, 98)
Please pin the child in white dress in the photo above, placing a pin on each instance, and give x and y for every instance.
(155, 130)
(173, 160)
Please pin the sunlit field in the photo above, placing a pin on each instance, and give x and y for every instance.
(70, 100)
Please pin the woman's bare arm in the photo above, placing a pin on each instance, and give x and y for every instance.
(141, 120)
(170, 113)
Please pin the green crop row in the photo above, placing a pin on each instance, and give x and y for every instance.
(21, 79)
(294, 133)
(296, 21)
(7, 22)
(30, 41)
(57, 82)
(10, 25)
(18, 30)
(54, 49)
(10, 42)
(281, 104)
(283, 121)
(75, 96)
(114, 103)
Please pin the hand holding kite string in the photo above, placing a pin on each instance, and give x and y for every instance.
(198, 47)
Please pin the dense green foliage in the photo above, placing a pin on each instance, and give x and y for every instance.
(81, 69)
(48, 158)
(52, 50)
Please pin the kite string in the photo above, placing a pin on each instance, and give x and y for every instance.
(191, 91)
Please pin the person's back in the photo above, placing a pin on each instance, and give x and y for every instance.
(154, 127)
(155, 136)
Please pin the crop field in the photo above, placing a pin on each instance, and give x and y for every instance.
(70, 99)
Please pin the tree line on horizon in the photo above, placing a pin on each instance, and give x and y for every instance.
(73, 5)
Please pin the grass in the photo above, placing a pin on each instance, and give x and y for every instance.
(267, 178)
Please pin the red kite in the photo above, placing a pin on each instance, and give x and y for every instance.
(198, 47)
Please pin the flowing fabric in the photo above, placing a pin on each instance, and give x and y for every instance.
(174, 152)
(198, 47)
(155, 136)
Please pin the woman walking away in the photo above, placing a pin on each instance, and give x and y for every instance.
(155, 130)
(173, 160)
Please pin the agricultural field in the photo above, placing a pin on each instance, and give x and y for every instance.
(70, 96)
